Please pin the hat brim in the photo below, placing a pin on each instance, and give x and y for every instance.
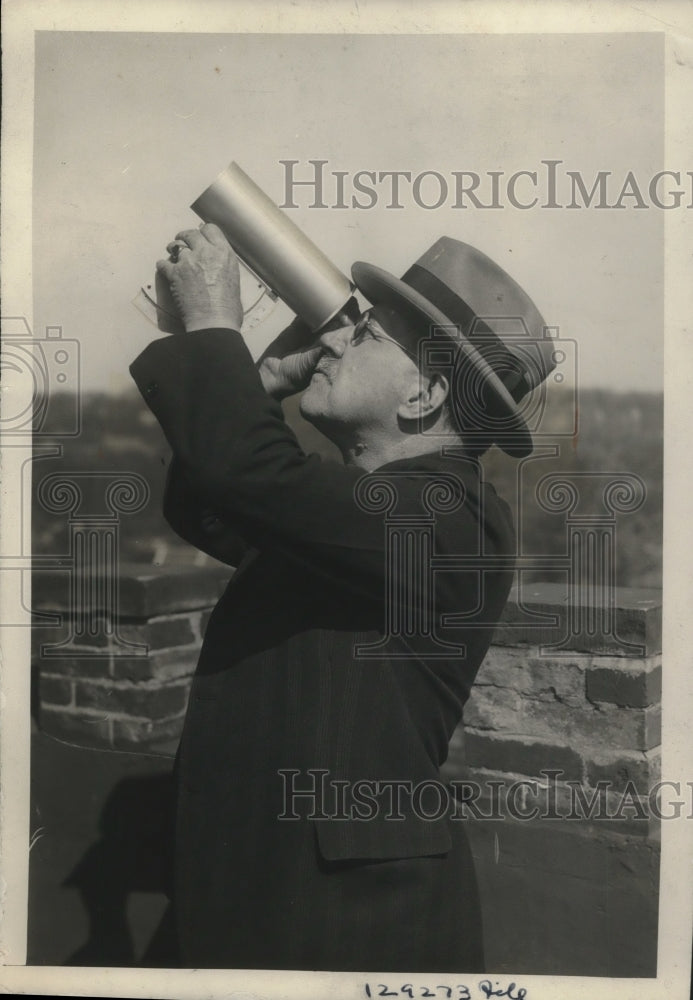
(382, 288)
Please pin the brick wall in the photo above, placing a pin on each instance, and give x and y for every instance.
(568, 897)
(592, 711)
(566, 891)
(567, 717)
(93, 693)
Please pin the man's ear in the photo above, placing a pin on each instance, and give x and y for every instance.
(425, 397)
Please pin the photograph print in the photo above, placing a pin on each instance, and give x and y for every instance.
(344, 560)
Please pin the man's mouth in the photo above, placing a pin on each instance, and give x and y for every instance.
(323, 369)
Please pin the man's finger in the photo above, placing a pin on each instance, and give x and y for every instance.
(193, 237)
(214, 234)
(174, 245)
(166, 268)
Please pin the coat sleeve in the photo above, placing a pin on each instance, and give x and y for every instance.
(230, 439)
(196, 522)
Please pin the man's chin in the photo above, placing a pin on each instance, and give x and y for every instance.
(309, 407)
(312, 408)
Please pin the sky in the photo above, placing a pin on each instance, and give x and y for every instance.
(131, 127)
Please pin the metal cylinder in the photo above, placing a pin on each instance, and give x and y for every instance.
(274, 247)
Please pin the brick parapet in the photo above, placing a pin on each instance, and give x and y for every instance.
(90, 692)
(594, 713)
(587, 719)
(541, 614)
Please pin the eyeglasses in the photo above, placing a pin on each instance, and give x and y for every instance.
(366, 327)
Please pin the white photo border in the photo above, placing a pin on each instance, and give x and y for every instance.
(675, 19)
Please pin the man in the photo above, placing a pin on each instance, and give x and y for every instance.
(326, 685)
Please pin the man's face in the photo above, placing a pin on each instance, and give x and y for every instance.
(364, 375)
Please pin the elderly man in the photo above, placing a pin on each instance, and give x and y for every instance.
(315, 710)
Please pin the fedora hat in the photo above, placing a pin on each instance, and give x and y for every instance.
(497, 347)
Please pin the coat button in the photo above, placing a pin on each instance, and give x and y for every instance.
(152, 389)
(211, 524)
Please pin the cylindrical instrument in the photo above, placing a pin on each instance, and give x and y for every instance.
(275, 249)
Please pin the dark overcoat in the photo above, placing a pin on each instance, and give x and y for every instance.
(293, 695)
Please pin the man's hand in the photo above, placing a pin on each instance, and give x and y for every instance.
(287, 365)
(204, 280)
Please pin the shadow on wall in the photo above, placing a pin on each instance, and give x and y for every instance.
(132, 854)
(100, 857)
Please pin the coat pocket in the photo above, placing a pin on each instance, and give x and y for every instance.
(382, 838)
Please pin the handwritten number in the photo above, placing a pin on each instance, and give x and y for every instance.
(487, 988)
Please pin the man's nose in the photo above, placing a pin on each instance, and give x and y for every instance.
(335, 341)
